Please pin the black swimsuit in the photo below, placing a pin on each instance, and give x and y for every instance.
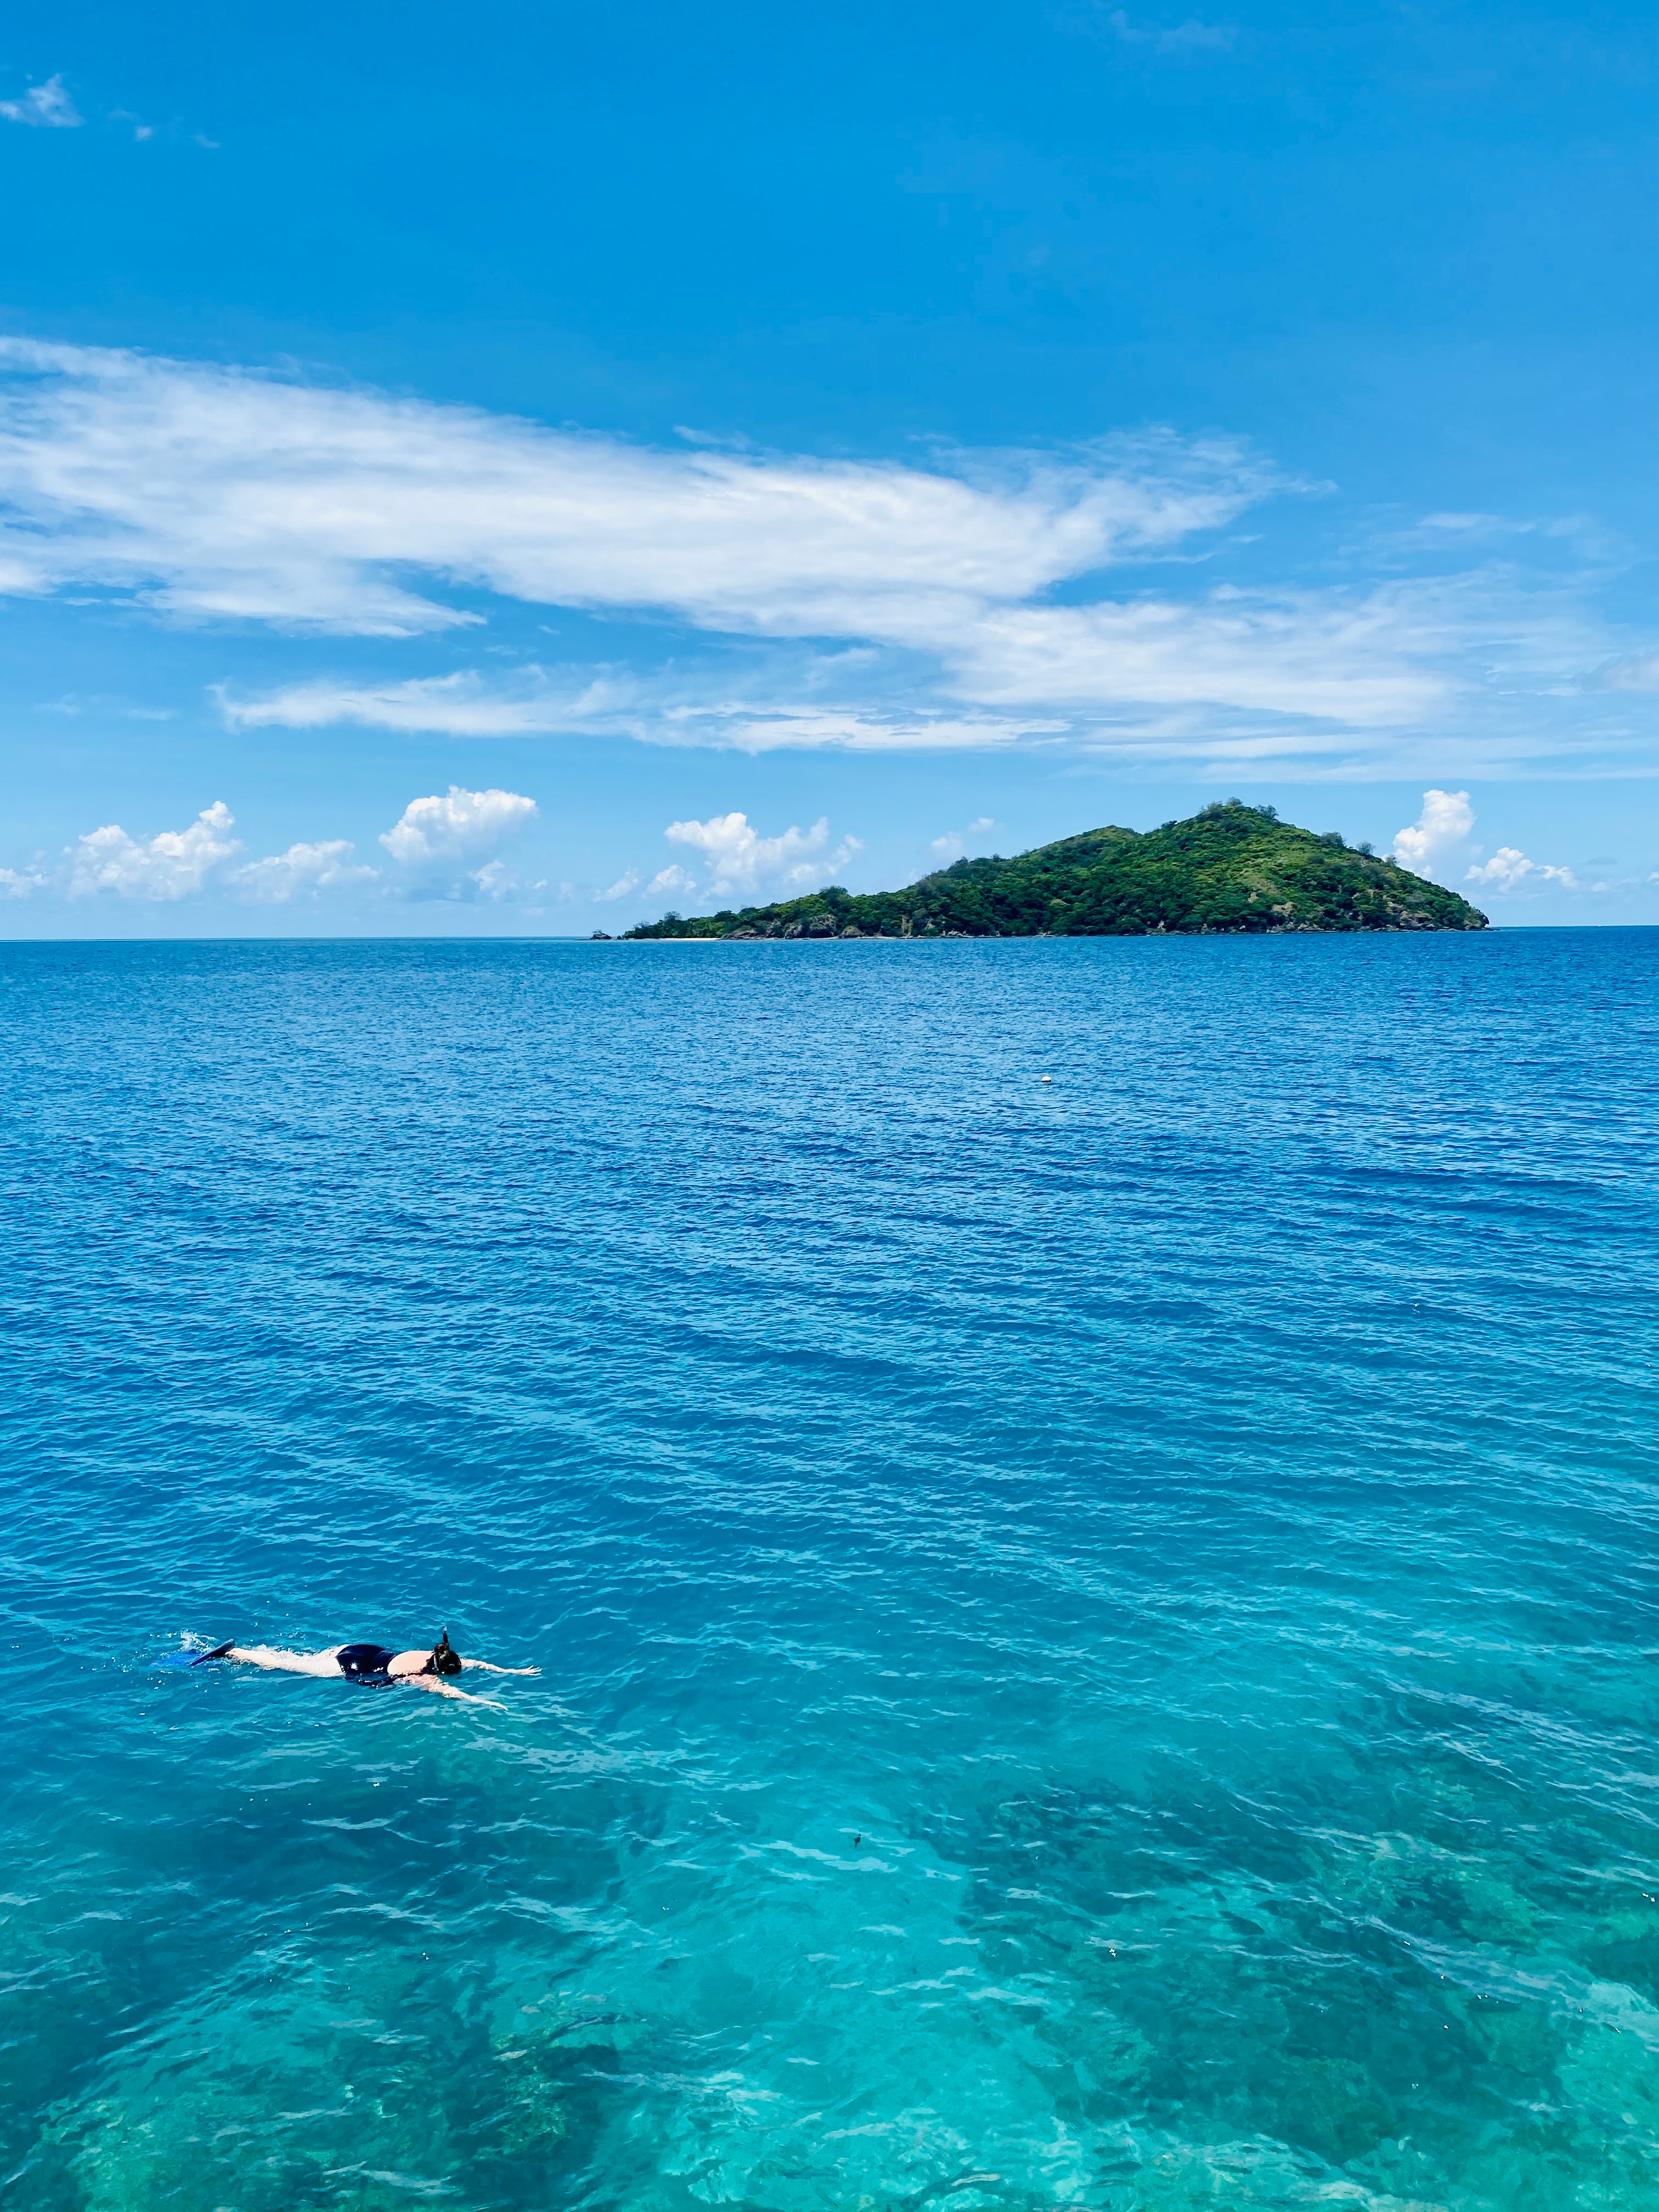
(364, 1662)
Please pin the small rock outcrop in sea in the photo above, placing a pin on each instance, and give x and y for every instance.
(1231, 869)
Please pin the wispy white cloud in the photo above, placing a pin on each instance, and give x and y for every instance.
(680, 707)
(723, 708)
(73, 703)
(1337, 656)
(214, 494)
(868, 729)
(766, 697)
(22, 882)
(1639, 672)
(1445, 821)
(1189, 37)
(465, 704)
(627, 881)
(45, 106)
(218, 493)
(975, 584)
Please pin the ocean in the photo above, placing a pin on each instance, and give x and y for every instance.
(1085, 1509)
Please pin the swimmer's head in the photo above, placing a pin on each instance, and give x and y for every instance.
(445, 1659)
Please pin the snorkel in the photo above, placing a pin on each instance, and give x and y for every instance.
(445, 1659)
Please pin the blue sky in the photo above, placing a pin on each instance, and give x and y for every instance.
(519, 469)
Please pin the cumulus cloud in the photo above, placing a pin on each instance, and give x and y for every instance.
(1445, 821)
(954, 842)
(670, 879)
(497, 881)
(739, 863)
(435, 838)
(172, 865)
(457, 826)
(740, 860)
(45, 107)
(439, 847)
(1508, 870)
(303, 869)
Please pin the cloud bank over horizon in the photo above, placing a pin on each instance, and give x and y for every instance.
(445, 847)
(452, 847)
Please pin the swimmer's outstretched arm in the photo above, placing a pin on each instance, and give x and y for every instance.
(442, 1689)
(289, 1662)
(490, 1668)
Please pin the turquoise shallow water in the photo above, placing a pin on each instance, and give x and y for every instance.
(1098, 1638)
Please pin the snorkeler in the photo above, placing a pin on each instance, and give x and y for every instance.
(368, 1662)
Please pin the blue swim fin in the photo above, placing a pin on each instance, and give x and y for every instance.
(219, 1651)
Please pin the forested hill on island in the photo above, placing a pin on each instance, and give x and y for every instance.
(1231, 867)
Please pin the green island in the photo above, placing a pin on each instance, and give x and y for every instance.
(1229, 868)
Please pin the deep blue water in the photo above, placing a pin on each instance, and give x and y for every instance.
(1098, 1636)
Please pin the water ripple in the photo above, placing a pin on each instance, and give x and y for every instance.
(1097, 1636)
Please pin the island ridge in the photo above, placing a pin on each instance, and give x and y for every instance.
(1229, 868)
